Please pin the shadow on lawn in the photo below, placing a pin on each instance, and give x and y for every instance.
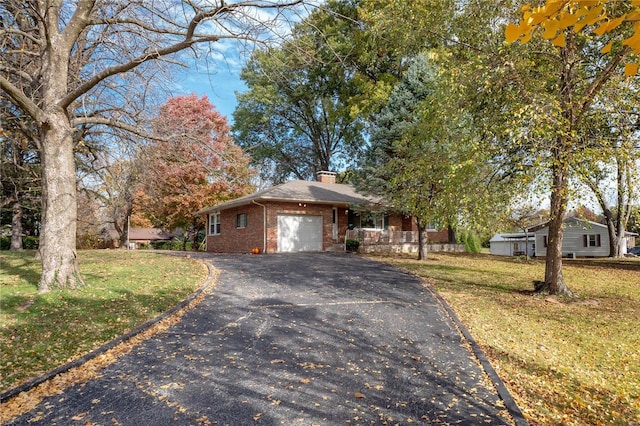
(23, 265)
(66, 324)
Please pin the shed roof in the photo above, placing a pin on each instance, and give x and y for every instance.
(302, 191)
(149, 234)
(512, 237)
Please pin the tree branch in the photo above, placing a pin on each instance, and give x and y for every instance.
(191, 38)
(21, 99)
(113, 123)
(597, 84)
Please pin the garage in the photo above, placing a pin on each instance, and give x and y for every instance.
(299, 233)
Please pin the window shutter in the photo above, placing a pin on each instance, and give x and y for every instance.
(598, 241)
(585, 239)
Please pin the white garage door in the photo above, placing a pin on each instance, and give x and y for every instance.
(299, 233)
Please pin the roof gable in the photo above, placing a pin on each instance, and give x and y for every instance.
(572, 222)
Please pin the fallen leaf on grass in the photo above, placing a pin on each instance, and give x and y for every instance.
(29, 400)
(359, 395)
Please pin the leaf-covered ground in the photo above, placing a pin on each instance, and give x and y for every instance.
(566, 361)
(124, 289)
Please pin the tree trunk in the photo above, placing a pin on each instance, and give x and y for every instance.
(423, 240)
(451, 235)
(195, 234)
(59, 206)
(16, 226)
(561, 157)
(553, 278)
(614, 240)
(123, 231)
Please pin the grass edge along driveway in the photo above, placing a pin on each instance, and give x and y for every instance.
(123, 290)
(571, 362)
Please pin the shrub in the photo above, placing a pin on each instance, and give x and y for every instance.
(352, 245)
(470, 240)
(170, 245)
(89, 242)
(28, 243)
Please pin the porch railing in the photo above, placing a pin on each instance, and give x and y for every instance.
(382, 236)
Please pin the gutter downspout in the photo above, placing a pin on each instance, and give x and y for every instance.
(264, 225)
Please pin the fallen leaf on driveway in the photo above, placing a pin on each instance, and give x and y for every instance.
(78, 417)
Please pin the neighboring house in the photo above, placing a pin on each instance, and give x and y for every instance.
(582, 238)
(514, 244)
(296, 216)
(139, 237)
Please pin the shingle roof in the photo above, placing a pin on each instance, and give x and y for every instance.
(302, 191)
(567, 219)
(150, 234)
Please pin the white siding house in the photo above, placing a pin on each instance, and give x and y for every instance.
(582, 238)
(513, 244)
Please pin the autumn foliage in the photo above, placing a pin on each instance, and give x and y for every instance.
(193, 164)
(556, 16)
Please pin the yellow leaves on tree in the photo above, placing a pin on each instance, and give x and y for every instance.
(556, 16)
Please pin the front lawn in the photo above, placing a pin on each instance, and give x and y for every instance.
(571, 362)
(124, 289)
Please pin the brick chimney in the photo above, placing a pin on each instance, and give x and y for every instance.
(326, 177)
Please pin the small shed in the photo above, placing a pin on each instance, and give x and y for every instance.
(512, 244)
(141, 237)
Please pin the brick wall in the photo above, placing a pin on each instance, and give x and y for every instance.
(238, 240)
(438, 237)
(243, 240)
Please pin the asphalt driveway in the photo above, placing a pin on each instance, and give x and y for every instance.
(300, 339)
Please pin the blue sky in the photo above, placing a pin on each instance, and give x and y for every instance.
(219, 80)
(216, 72)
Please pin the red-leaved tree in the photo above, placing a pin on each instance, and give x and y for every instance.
(193, 164)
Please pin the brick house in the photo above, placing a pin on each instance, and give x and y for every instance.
(296, 216)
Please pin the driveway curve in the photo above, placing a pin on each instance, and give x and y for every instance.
(294, 339)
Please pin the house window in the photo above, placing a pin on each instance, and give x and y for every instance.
(214, 223)
(374, 221)
(241, 220)
(592, 240)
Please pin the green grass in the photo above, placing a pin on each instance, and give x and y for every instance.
(569, 362)
(124, 289)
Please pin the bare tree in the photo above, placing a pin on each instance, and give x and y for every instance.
(57, 55)
(19, 173)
